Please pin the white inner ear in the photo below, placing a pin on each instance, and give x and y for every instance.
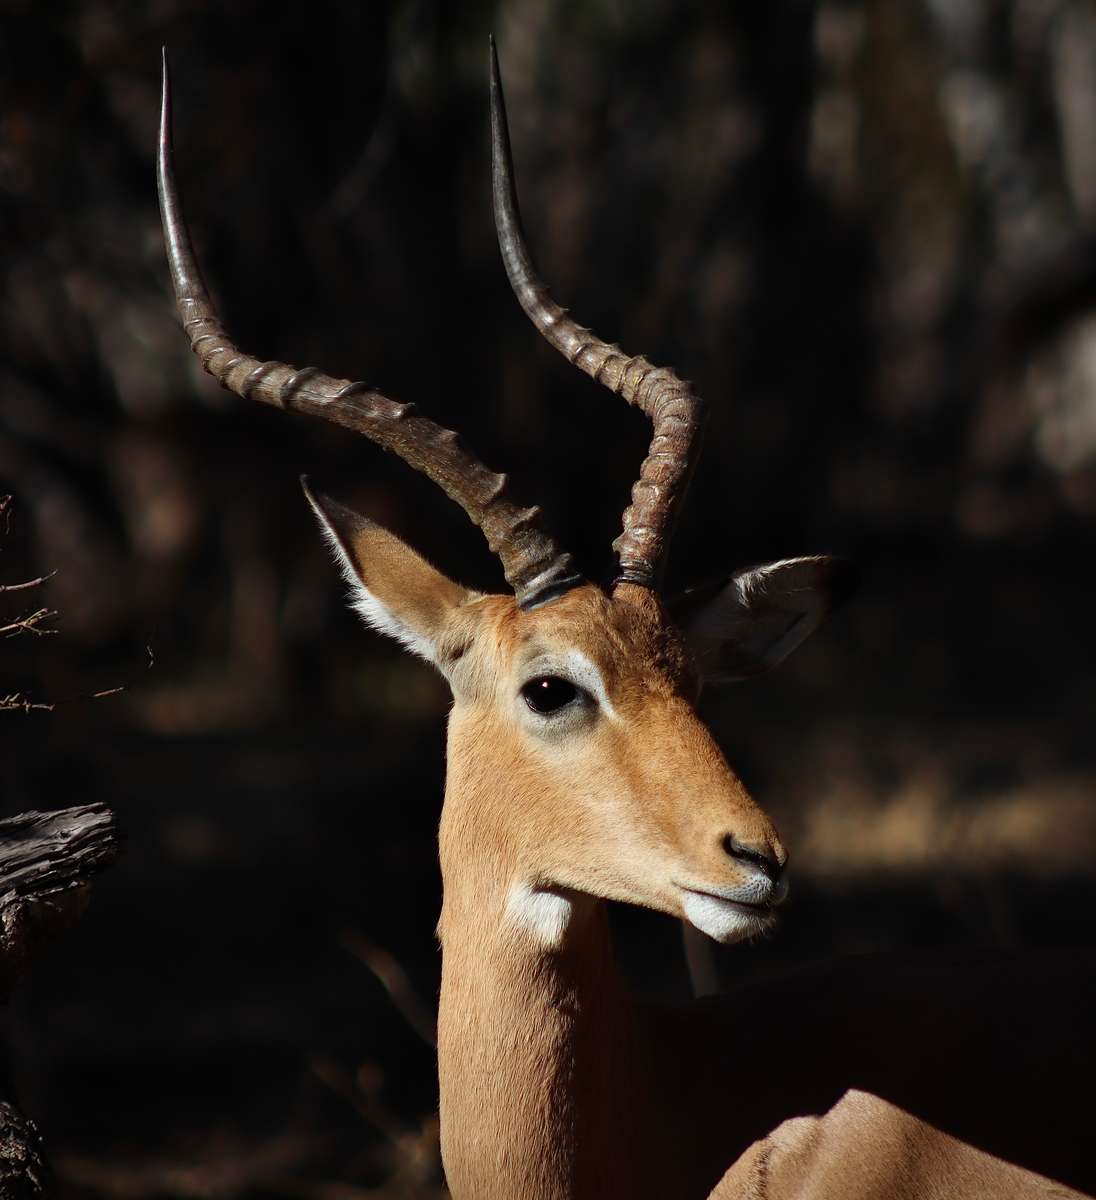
(373, 611)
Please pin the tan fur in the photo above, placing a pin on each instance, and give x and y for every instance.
(533, 1045)
(865, 1148)
(653, 786)
(404, 582)
(555, 1084)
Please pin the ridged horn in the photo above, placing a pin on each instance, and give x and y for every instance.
(533, 564)
(676, 413)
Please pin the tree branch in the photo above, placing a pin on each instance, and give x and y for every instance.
(29, 583)
(31, 623)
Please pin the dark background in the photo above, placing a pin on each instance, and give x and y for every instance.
(866, 233)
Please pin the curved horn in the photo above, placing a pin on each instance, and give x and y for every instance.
(534, 566)
(676, 413)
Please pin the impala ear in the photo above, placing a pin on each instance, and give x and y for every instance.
(394, 589)
(746, 625)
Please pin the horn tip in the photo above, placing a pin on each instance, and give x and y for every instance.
(165, 91)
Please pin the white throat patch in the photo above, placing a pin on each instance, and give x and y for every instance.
(545, 913)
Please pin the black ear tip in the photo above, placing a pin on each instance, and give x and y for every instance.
(321, 502)
(842, 578)
(334, 513)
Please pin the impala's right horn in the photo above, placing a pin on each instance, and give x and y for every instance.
(676, 413)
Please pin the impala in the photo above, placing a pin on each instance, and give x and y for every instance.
(579, 772)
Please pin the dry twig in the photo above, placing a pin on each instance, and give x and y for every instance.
(412, 1161)
(17, 702)
(31, 623)
(225, 1171)
(29, 583)
(392, 977)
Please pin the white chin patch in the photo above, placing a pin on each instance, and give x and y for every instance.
(721, 919)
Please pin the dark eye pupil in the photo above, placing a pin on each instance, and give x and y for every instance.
(548, 693)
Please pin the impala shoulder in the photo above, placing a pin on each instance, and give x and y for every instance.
(778, 1167)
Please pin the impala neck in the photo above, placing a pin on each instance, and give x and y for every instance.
(538, 1094)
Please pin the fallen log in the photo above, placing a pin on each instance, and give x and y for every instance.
(47, 862)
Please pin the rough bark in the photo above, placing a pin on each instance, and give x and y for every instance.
(21, 1170)
(47, 861)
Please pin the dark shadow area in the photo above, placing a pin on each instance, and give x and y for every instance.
(864, 231)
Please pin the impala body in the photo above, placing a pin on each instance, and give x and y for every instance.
(579, 772)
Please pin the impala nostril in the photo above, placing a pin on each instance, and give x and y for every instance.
(762, 856)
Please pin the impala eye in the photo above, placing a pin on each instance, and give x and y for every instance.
(548, 693)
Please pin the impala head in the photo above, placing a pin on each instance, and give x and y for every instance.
(577, 763)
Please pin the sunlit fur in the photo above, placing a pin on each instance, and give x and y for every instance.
(534, 834)
(896, 1157)
(624, 796)
(555, 1083)
(630, 809)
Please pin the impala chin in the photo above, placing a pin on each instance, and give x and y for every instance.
(725, 920)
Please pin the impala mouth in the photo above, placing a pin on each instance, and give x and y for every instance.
(754, 906)
(724, 917)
